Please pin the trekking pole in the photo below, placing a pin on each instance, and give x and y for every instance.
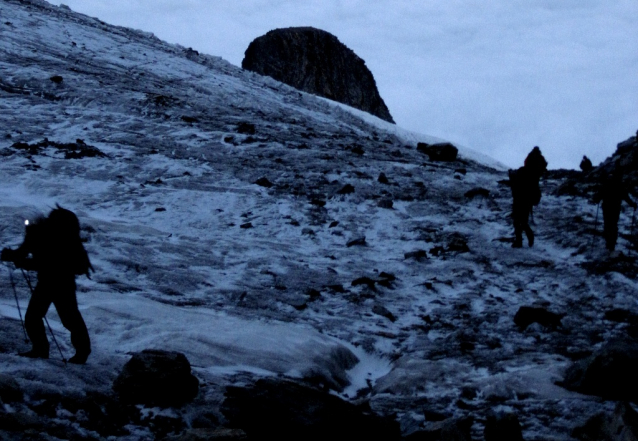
(15, 293)
(28, 280)
(591, 244)
(631, 231)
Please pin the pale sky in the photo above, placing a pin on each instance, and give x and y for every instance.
(499, 77)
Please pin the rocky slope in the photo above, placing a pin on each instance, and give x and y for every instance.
(272, 236)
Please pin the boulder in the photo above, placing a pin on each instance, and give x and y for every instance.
(445, 152)
(157, 378)
(286, 410)
(622, 425)
(316, 62)
(610, 373)
(503, 427)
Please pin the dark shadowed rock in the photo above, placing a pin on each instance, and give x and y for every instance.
(209, 435)
(445, 152)
(157, 378)
(622, 425)
(452, 429)
(246, 128)
(503, 427)
(264, 182)
(9, 389)
(527, 315)
(609, 373)
(316, 62)
(346, 189)
(384, 312)
(477, 192)
(285, 410)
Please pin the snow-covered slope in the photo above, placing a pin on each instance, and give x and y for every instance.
(311, 270)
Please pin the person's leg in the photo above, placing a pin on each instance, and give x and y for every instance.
(67, 306)
(33, 322)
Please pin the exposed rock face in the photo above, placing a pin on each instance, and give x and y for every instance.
(315, 61)
(157, 378)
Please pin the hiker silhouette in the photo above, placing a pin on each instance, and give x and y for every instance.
(526, 193)
(53, 248)
(612, 193)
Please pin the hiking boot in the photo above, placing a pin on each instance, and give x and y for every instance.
(517, 244)
(79, 358)
(34, 354)
(530, 238)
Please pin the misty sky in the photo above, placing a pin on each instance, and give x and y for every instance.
(498, 76)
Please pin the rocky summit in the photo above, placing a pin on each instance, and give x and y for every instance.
(297, 267)
(315, 61)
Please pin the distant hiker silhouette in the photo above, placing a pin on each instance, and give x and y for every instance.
(585, 165)
(526, 193)
(612, 193)
(53, 248)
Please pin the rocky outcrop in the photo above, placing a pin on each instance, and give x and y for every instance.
(316, 62)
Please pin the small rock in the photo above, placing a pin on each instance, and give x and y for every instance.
(384, 312)
(364, 281)
(189, 119)
(385, 203)
(246, 226)
(246, 128)
(383, 179)
(361, 241)
(527, 315)
(264, 182)
(209, 435)
(475, 192)
(346, 189)
(57, 79)
(416, 255)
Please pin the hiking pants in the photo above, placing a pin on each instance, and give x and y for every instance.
(61, 292)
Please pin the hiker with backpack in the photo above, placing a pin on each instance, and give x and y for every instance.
(526, 192)
(612, 193)
(52, 247)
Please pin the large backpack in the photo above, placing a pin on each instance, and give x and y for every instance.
(525, 185)
(63, 230)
